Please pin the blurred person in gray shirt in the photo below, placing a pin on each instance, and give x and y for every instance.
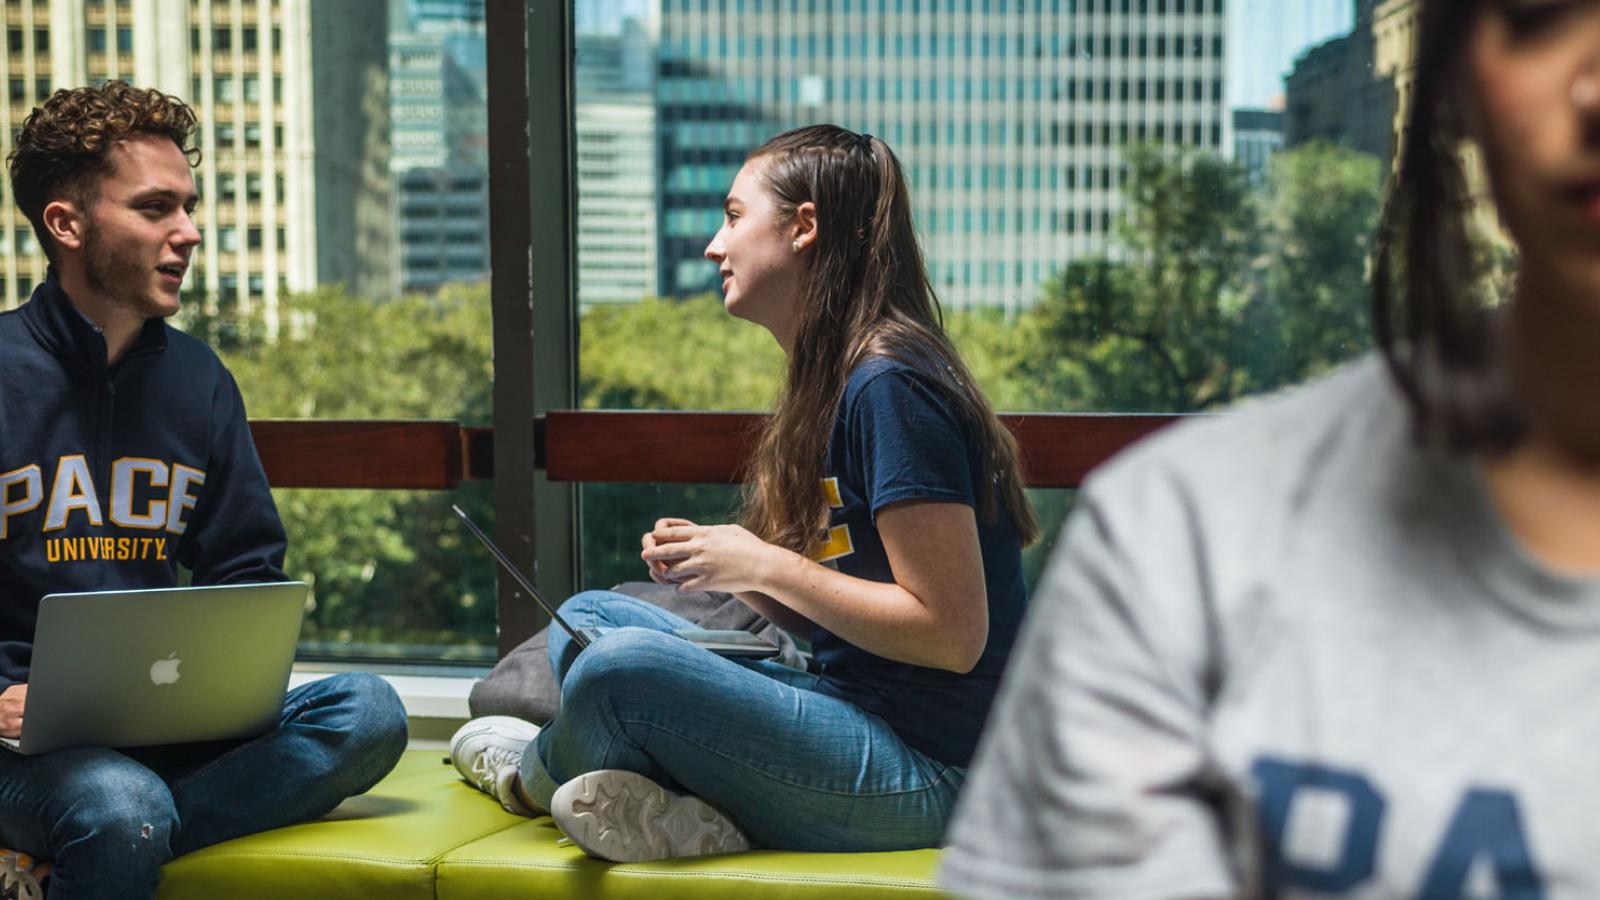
(1346, 642)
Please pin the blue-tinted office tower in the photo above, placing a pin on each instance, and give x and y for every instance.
(439, 141)
(614, 120)
(1010, 116)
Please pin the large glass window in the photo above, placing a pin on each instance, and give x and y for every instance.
(303, 282)
(1119, 211)
(1164, 209)
(343, 315)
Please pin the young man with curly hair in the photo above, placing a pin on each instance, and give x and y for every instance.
(91, 377)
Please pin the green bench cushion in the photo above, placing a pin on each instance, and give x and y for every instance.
(526, 861)
(422, 833)
(382, 844)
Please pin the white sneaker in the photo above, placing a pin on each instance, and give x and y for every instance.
(626, 817)
(487, 751)
(19, 876)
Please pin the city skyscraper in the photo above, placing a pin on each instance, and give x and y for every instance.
(1011, 125)
(440, 133)
(291, 97)
(347, 94)
(615, 124)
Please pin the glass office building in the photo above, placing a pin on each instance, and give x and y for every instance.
(1012, 118)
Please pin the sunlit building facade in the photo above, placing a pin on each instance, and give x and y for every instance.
(1394, 30)
(614, 120)
(292, 101)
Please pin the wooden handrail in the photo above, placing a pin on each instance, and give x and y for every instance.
(332, 453)
(1058, 449)
(664, 447)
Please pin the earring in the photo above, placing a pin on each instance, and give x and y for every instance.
(795, 246)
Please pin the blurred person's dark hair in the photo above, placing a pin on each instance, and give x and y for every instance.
(64, 148)
(1433, 304)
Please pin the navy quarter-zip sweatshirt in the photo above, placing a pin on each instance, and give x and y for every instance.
(112, 476)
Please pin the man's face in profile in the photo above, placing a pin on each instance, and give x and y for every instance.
(140, 230)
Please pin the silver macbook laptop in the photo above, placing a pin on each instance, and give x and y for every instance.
(167, 666)
(736, 644)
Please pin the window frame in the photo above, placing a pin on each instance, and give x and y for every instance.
(532, 285)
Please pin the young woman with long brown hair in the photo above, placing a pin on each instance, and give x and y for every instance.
(884, 523)
(1346, 642)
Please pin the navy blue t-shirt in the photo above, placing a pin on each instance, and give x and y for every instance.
(897, 437)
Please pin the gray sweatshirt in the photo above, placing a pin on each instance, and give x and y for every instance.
(1286, 653)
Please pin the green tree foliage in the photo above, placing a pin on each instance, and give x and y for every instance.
(1315, 309)
(659, 354)
(391, 571)
(994, 346)
(1214, 292)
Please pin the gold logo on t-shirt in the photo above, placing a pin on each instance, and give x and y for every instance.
(830, 488)
(839, 543)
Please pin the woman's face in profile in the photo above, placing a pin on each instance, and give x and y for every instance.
(1534, 69)
(759, 269)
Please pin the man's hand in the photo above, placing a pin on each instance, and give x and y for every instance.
(12, 700)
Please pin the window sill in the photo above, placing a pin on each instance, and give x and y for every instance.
(435, 697)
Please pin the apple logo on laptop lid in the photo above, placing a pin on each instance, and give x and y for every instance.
(165, 671)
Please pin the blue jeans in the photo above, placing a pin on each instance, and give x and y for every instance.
(798, 769)
(109, 819)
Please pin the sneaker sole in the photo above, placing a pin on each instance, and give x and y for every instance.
(626, 817)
